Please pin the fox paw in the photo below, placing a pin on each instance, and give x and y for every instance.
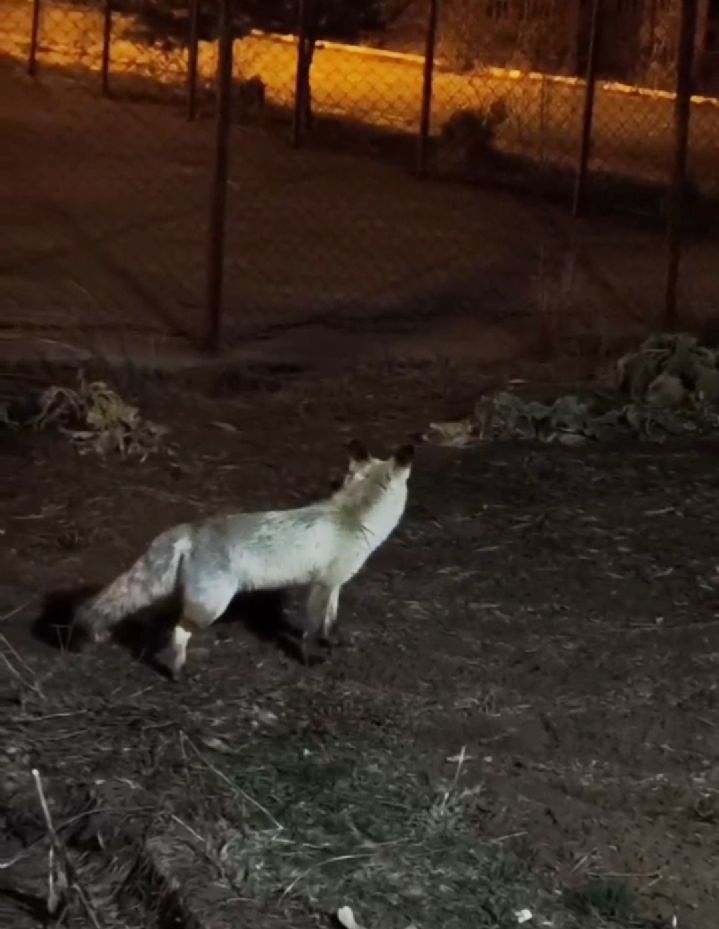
(308, 654)
(170, 662)
(337, 640)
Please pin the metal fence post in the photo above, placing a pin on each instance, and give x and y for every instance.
(218, 197)
(34, 37)
(192, 50)
(677, 186)
(106, 42)
(426, 108)
(590, 87)
(298, 113)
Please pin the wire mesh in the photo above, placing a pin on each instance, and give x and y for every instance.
(325, 221)
(105, 200)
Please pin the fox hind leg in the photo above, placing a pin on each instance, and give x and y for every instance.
(197, 615)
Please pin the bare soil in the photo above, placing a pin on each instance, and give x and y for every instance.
(526, 716)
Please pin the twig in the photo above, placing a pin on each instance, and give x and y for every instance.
(60, 875)
(16, 610)
(56, 875)
(320, 864)
(192, 832)
(460, 758)
(32, 684)
(15, 673)
(40, 719)
(86, 903)
(505, 838)
(10, 862)
(626, 875)
(223, 777)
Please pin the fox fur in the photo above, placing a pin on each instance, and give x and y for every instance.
(208, 562)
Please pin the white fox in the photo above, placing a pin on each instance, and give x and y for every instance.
(208, 562)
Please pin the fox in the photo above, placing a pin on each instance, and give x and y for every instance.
(208, 562)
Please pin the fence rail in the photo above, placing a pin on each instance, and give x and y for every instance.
(588, 139)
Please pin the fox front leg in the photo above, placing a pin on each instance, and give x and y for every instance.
(321, 614)
(331, 636)
(174, 655)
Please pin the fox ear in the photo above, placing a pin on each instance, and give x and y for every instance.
(357, 452)
(404, 456)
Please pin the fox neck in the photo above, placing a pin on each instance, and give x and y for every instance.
(372, 514)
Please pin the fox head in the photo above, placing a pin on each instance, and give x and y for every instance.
(364, 468)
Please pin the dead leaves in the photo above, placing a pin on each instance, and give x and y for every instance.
(97, 420)
(670, 370)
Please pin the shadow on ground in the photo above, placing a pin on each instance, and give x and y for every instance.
(146, 631)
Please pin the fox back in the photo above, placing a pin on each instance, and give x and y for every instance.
(327, 541)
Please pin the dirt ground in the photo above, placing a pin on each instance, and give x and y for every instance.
(111, 234)
(525, 719)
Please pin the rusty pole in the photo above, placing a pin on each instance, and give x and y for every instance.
(590, 87)
(192, 49)
(677, 185)
(425, 118)
(34, 38)
(218, 198)
(298, 113)
(106, 42)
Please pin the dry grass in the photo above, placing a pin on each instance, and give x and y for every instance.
(290, 822)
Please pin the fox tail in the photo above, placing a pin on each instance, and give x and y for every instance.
(153, 576)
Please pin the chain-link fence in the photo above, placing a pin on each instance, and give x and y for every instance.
(104, 195)
(142, 192)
